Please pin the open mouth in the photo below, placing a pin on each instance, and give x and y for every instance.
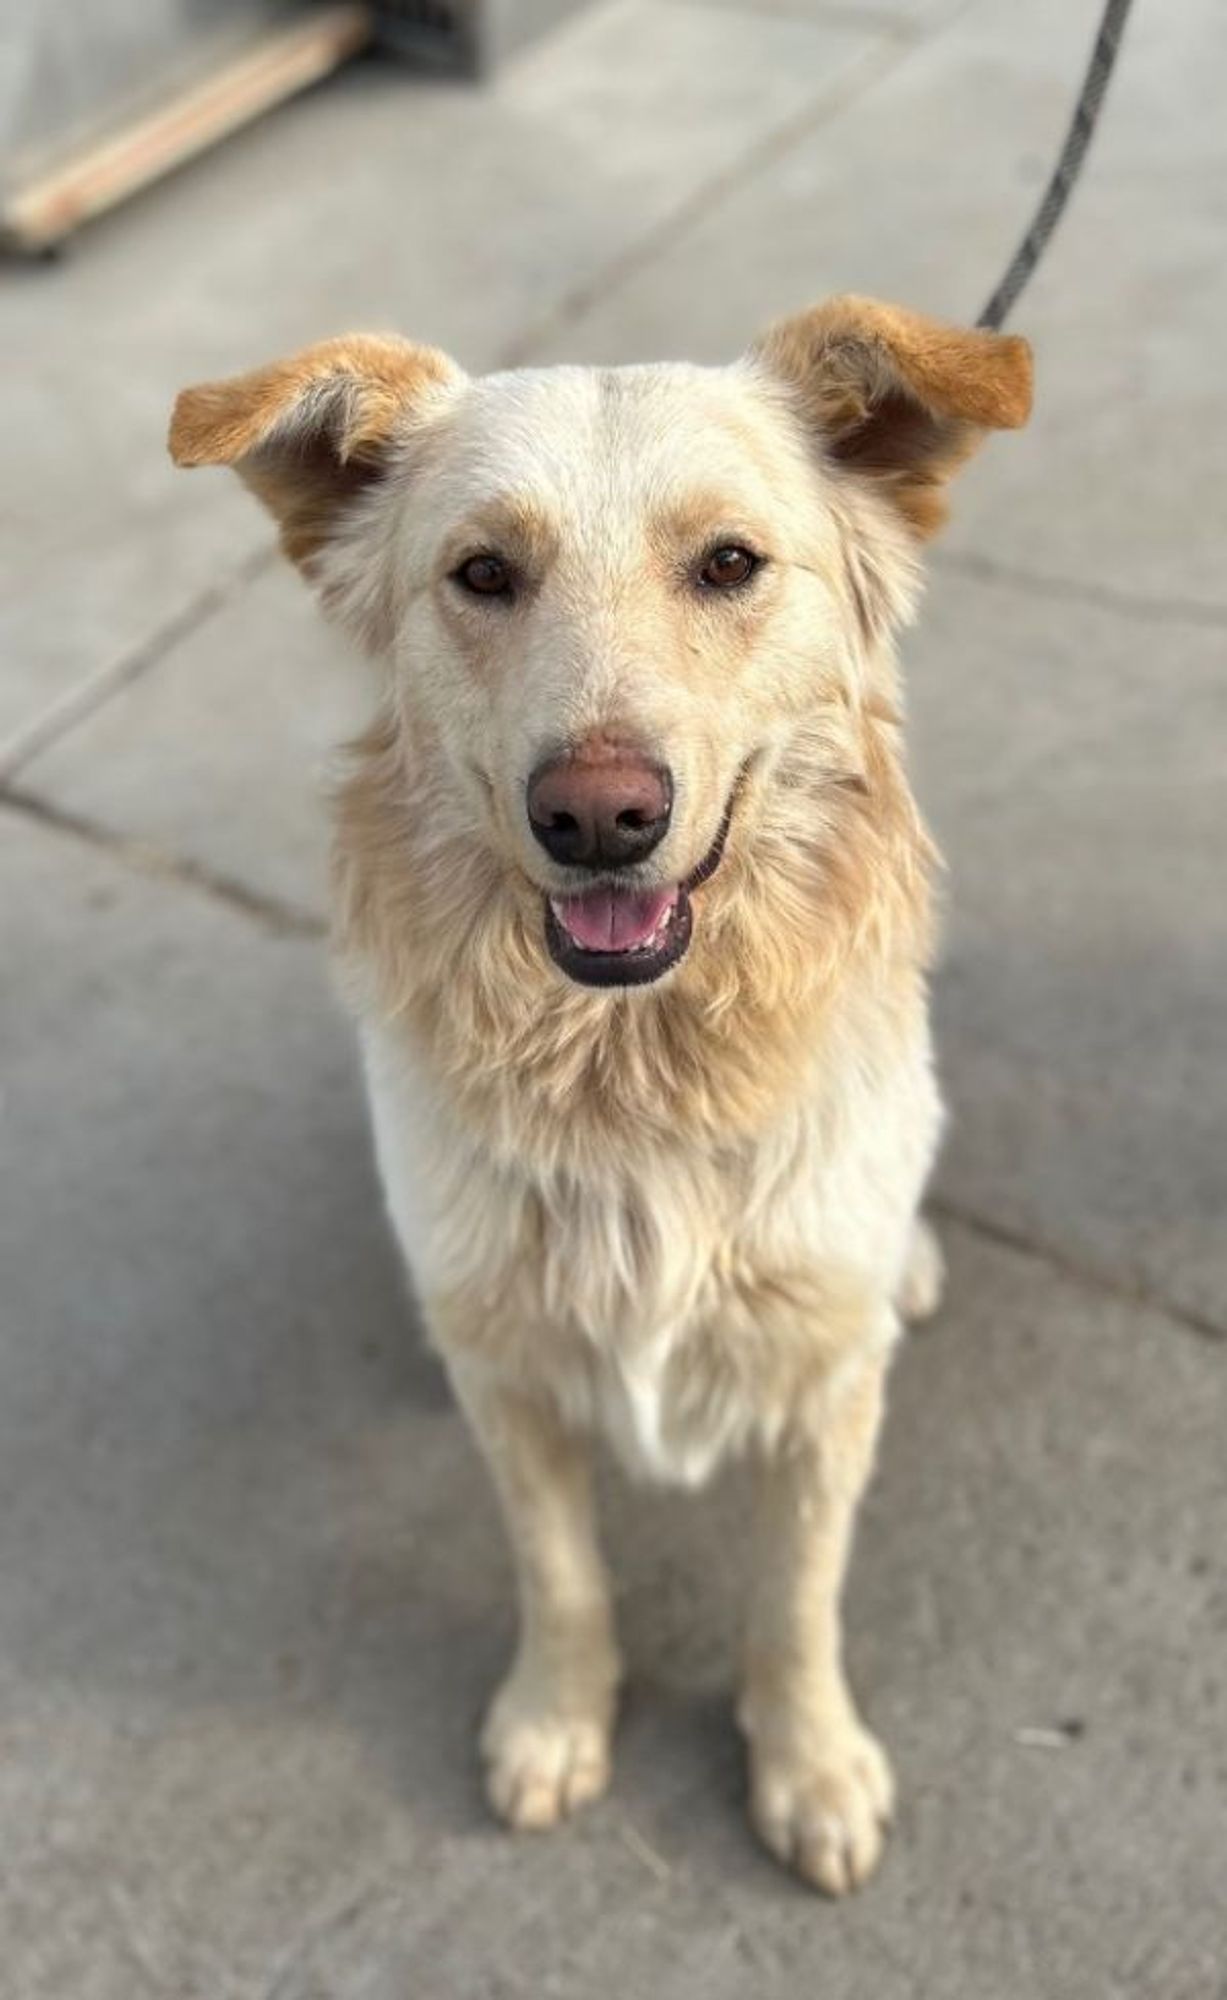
(614, 935)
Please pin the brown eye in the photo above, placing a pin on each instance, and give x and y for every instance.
(727, 568)
(484, 576)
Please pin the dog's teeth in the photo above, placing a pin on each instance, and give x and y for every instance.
(655, 942)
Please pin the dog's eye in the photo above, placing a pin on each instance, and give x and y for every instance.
(729, 567)
(484, 576)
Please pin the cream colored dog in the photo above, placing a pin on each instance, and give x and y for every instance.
(635, 902)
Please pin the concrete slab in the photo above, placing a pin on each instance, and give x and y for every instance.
(1120, 483)
(1074, 762)
(254, 1594)
(920, 191)
(455, 214)
(220, 755)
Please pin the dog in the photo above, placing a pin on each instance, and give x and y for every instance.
(634, 906)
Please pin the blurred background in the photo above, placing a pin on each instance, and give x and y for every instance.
(254, 1592)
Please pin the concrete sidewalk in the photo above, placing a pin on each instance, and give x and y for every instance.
(254, 1590)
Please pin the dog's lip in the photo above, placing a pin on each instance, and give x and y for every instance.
(656, 924)
(715, 853)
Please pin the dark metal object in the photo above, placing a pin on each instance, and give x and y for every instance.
(469, 36)
(442, 33)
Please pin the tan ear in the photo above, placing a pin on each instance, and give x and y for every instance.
(898, 397)
(310, 433)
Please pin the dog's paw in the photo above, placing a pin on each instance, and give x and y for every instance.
(826, 1816)
(537, 1773)
(924, 1275)
(542, 1763)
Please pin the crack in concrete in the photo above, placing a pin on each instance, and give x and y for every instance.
(858, 14)
(1117, 598)
(1132, 1291)
(896, 39)
(281, 919)
(85, 697)
(146, 858)
(896, 42)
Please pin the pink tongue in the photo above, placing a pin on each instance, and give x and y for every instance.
(613, 919)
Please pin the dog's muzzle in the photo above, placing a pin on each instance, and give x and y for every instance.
(614, 935)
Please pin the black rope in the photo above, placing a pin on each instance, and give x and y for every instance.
(1068, 166)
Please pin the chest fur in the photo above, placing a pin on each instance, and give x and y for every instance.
(686, 1300)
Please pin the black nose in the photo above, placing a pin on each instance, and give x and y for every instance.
(604, 805)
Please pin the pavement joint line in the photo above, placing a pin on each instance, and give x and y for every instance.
(143, 857)
(282, 919)
(849, 14)
(1072, 590)
(895, 42)
(897, 37)
(1132, 1291)
(85, 697)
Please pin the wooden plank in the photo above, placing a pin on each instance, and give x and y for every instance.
(41, 213)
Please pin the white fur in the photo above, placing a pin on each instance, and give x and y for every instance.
(837, 1179)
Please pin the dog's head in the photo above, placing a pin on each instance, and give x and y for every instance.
(613, 603)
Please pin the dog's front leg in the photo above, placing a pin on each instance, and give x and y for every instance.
(547, 1736)
(820, 1785)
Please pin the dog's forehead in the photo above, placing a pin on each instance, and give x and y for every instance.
(633, 438)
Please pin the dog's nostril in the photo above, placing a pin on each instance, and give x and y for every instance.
(563, 822)
(634, 819)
